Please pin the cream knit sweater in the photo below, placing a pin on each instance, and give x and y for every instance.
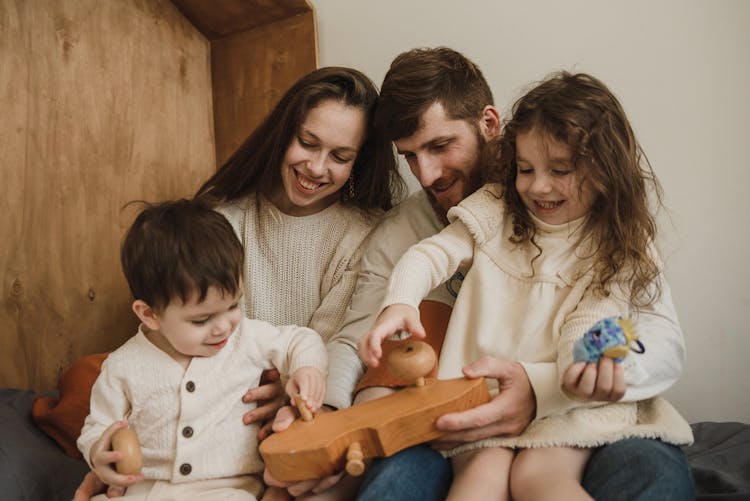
(302, 271)
(532, 313)
(193, 416)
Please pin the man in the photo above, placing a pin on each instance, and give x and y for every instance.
(438, 109)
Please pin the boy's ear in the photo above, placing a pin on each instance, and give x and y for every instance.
(146, 314)
(490, 122)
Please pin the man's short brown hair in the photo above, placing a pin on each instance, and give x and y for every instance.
(420, 77)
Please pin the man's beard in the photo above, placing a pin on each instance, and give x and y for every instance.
(473, 182)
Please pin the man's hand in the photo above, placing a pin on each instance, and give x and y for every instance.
(604, 381)
(508, 414)
(269, 397)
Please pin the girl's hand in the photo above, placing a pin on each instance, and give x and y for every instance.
(393, 319)
(310, 384)
(603, 381)
(103, 459)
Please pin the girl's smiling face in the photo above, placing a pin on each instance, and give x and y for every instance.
(549, 185)
(320, 158)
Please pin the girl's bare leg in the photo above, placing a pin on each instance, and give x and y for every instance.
(549, 473)
(481, 474)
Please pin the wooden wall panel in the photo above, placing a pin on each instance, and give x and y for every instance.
(219, 18)
(252, 69)
(103, 102)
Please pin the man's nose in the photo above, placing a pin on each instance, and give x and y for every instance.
(427, 170)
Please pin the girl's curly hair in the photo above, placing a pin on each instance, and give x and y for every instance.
(580, 111)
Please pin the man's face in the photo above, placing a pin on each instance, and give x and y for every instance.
(443, 154)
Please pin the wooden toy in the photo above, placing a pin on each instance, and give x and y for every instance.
(125, 440)
(342, 439)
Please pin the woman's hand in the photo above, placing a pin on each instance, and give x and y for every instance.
(393, 319)
(269, 396)
(603, 381)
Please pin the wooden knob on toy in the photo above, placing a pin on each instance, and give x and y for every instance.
(355, 464)
(412, 361)
(125, 440)
(304, 411)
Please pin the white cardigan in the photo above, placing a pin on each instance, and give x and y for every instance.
(194, 417)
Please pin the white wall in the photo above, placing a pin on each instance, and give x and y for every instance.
(682, 71)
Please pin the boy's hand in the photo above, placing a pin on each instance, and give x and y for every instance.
(310, 384)
(603, 381)
(103, 459)
(393, 319)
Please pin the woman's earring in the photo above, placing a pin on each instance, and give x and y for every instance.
(351, 186)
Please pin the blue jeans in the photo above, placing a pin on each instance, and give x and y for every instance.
(629, 470)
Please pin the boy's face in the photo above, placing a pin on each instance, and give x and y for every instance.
(197, 329)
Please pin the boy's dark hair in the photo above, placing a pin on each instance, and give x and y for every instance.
(177, 248)
(420, 77)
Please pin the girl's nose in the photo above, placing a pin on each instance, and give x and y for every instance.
(541, 184)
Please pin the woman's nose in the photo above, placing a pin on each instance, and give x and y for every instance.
(316, 165)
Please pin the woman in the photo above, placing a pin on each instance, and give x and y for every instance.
(303, 192)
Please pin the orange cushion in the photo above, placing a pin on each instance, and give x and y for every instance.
(62, 418)
(434, 316)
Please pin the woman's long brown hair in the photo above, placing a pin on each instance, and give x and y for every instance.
(256, 165)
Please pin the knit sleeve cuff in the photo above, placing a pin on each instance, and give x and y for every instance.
(550, 399)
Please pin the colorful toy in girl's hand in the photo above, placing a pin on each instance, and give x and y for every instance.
(611, 337)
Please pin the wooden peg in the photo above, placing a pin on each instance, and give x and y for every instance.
(412, 361)
(355, 464)
(125, 440)
(304, 411)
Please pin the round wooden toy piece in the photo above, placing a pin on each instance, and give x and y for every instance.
(126, 441)
(412, 360)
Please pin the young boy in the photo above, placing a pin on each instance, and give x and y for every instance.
(179, 381)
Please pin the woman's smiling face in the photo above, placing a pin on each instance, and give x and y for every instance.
(320, 158)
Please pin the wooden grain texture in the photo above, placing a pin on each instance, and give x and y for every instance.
(317, 448)
(252, 69)
(219, 18)
(103, 102)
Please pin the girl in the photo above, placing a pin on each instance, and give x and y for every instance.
(563, 239)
